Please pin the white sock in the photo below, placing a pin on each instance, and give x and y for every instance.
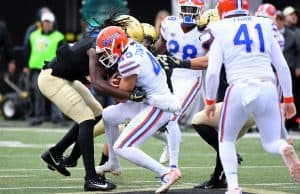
(229, 161)
(140, 158)
(174, 138)
(112, 133)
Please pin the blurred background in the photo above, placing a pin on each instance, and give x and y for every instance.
(18, 19)
(69, 14)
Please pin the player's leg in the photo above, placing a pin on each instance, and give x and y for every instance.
(229, 128)
(186, 90)
(112, 117)
(139, 129)
(71, 160)
(62, 93)
(208, 131)
(270, 128)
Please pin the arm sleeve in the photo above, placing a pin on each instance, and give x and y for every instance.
(215, 57)
(282, 69)
(129, 68)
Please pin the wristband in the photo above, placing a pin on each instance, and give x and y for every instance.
(210, 102)
(288, 99)
(186, 64)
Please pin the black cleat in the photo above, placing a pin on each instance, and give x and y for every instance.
(55, 162)
(69, 162)
(213, 183)
(98, 184)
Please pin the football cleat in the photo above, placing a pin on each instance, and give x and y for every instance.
(165, 156)
(167, 181)
(69, 162)
(55, 162)
(98, 184)
(108, 167)
(213, 183)
(292, 161)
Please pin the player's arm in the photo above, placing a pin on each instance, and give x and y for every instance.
(284, 78)
(97, 75)
(212, 78)
(160, 46)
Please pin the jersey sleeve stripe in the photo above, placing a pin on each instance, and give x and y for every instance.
(126, 64)
(123, 71)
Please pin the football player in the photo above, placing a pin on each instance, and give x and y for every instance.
(149, 38)
(133, 29)
(247, 51)
(138, 68)
(180, 38)
(61, 81)
(268, 10)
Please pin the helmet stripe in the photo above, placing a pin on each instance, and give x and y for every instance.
(239, 4)
(265, 8)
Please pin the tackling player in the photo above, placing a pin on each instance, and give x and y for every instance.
(58, 81)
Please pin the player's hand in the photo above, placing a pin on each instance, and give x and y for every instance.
(289, 110)
(163, 60)
(209, 111)
(114, 80)
(137, 95)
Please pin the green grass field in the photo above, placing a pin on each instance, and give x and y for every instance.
(22, 171)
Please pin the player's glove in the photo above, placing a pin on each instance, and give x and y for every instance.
(169, 62)
(137, 95)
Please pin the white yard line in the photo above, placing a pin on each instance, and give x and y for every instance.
(139, 168)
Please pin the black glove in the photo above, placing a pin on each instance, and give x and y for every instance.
(169, 62)
(137, 95)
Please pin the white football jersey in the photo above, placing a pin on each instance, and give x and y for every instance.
(246, 46)
(278, 36)
(182, 45)
(137, 60)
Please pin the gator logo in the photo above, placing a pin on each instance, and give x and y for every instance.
(110, 39)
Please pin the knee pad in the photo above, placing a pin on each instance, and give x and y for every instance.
(88, 97)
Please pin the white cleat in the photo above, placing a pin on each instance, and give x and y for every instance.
(115, 169)
(165, 156)
(234, 191)
(292, 161)
(167, 181)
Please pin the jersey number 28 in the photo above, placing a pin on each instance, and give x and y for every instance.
(242, 38)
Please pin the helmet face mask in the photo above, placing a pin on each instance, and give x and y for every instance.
(190, 11)
(111, 43)
(107, 58)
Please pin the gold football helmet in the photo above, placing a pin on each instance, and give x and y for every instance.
(134, 28)
(150, 36)
(210, 15)
(149, 31)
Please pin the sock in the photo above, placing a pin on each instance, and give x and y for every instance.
(229, 161)
(75, 153)
(218, 172)
(86, 145)
(104, 158)
(209, 134)
(174, 137)
(69, 138)
(140, 158)
(112, 134)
